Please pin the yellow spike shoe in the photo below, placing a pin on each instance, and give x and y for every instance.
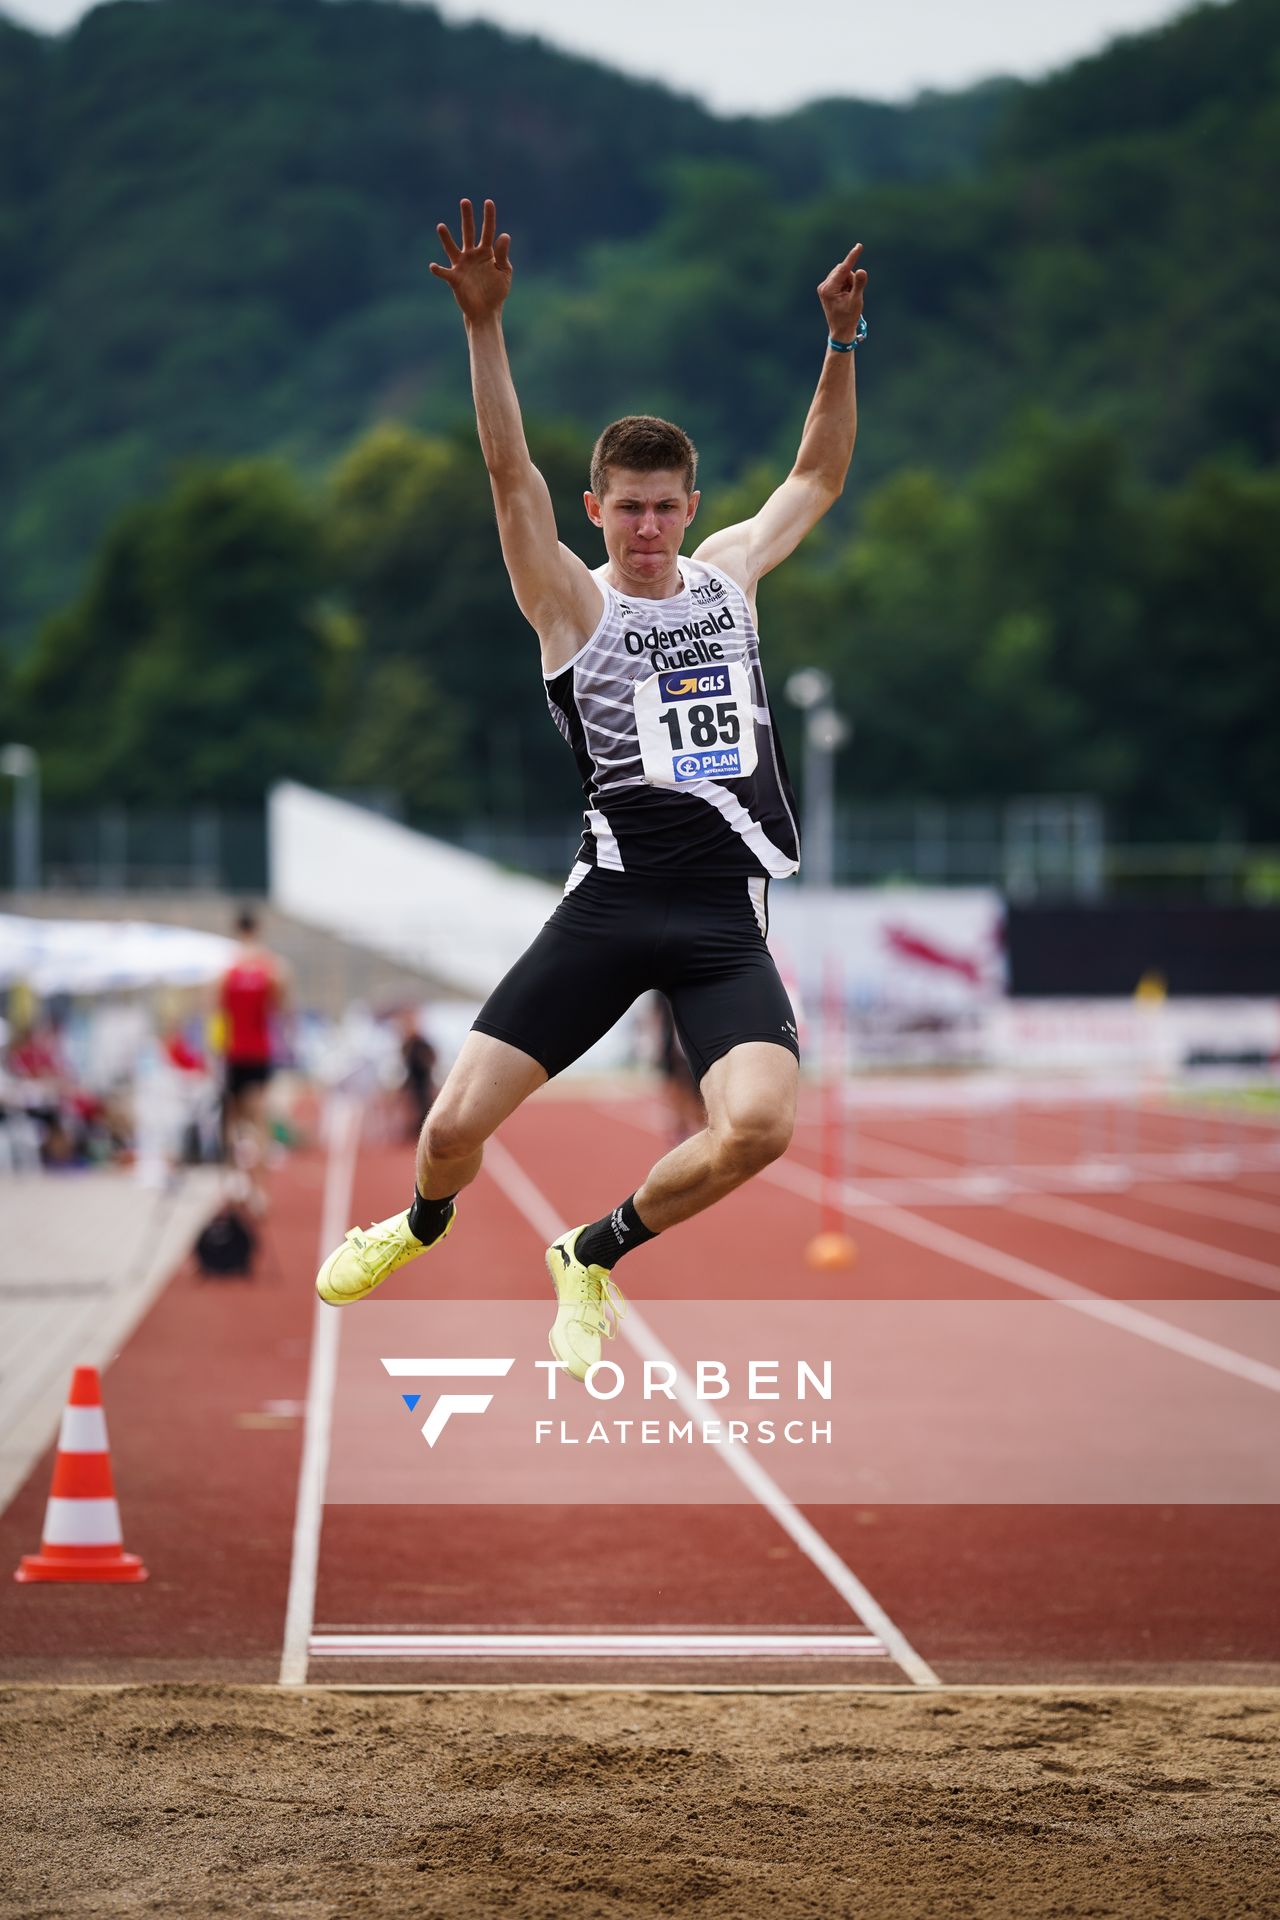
(369, 1254)
(590, 1307)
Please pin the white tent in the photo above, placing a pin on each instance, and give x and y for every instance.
(106, 956)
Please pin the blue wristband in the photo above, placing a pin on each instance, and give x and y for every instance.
(847, 346)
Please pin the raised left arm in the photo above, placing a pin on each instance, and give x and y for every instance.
(753, 547)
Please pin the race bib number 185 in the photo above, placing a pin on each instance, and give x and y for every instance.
(696, 723)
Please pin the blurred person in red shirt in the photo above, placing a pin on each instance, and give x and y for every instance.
(252, 994)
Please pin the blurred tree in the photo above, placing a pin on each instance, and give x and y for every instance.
(418, 558)
(235, 671)
(405, 740)
(215, 217)
(68, 689)
(196, 665)
(1211, 663)
(1151, 81)
(1055, 626)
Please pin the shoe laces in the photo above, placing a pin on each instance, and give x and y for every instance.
(609, 1302)
(372, 1248)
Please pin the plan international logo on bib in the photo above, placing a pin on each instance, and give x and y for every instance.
(722, 763)
(706, 683)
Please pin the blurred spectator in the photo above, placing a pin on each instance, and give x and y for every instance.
(37, 1055)
(39, 1084)
(197, 1095)
(418, 1089)
(45, 1115)
(686, 1114)
(252, 994)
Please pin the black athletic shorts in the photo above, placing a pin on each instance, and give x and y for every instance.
(246, 1073)
(615, 936)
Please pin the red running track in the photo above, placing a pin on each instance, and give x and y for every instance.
(207, 1449)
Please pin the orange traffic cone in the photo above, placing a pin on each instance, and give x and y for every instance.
(82, 1538)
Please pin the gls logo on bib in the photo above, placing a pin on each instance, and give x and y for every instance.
(706, 683)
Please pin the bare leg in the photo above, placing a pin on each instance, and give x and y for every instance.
(485, 1084)
(750, 1096)
(246, 1139)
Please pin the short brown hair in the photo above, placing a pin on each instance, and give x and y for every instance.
(646, 445)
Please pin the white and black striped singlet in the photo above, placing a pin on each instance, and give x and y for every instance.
(666, 711)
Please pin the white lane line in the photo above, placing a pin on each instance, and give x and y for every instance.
(432, 1367)
(1157, 1164)
(958, 1181)
(689, 1644)
(758, 1481)
(1030, 1279)
(342, 1128)
(1189, 1112)
(909, 1177)
(1100, 1225)
(1236, 1207)
(1065, 1212)
(988, 1185)
(521, 1192)
(542, 1217)
(1260, 1181)
(1039, 1280)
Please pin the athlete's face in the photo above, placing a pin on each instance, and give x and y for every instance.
(643, 517)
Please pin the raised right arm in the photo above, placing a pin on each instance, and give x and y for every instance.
(554, 589)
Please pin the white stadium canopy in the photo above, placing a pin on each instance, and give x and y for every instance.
(106, 956)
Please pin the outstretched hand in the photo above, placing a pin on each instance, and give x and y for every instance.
(479, 271)
(841, 295)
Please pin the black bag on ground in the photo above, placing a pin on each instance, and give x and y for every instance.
(226, 1245)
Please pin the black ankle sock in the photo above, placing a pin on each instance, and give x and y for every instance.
(604, 1242)
(428, 1218)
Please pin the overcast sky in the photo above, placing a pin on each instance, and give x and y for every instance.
(778, 53)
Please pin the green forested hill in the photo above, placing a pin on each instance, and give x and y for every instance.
(1128, 275)
(1217, 58)
(215, 218)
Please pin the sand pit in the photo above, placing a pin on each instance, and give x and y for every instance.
(210, 1800)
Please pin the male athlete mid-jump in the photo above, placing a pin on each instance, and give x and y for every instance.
(653, 676)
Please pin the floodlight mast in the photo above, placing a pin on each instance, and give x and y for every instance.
(825, 732)
(22, 765)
